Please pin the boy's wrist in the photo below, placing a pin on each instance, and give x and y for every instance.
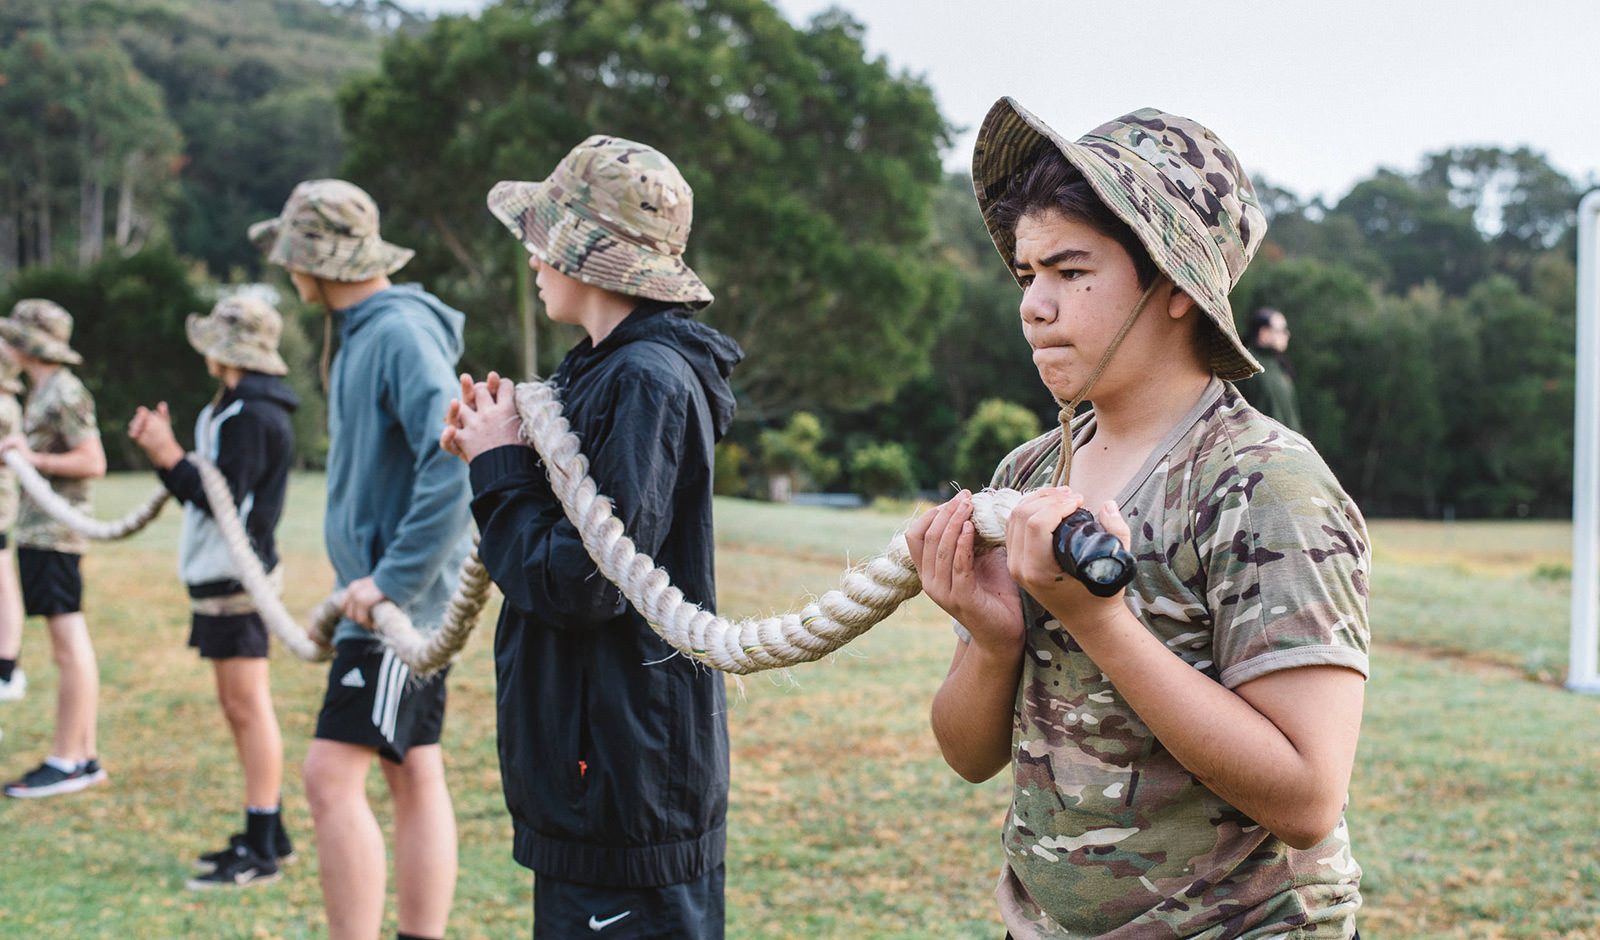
(165, 458)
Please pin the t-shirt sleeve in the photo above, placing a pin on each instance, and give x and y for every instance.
(72, 416)
(1288, 561)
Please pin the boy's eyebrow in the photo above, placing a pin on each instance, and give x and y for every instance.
(1050, 261)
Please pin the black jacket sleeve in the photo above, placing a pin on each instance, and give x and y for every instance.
(533, 553)
(242, 458)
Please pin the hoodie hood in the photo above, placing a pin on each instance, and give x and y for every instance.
(444, 322)
(710, 354)
(263, 387)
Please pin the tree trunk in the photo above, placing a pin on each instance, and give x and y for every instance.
(42, 233)
(10, 234)
(125, 218)
(91, 220)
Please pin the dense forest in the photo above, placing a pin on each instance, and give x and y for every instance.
(1432, 306)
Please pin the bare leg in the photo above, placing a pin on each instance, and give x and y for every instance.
(350, 851)
(424, 841)
(10, 607)
(78, 696)
(245, 694)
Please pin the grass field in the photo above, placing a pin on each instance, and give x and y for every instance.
(1472, 805)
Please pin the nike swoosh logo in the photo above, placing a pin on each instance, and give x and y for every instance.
(596, 924)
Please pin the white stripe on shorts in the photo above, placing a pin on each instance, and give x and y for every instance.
(392, 677)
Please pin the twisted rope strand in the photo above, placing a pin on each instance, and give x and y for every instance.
(40, 491)
(425, 654)
(867, 595)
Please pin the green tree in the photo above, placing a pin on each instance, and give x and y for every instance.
(88, 124)
(813, 168)
(1418, 233)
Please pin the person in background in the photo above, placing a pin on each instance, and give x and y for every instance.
(246, 434)
(13, 681)
(61, 439)
(396, 530)
(1272, 391)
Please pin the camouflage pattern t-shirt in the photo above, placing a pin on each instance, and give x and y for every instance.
(10, 423)
(1251, 559)
(59, 416)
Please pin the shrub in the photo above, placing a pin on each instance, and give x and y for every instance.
(882, 470)
(993, 431)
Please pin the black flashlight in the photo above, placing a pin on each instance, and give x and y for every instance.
(1085, 550)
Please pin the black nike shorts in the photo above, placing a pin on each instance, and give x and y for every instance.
(373, 700)
(692, 910)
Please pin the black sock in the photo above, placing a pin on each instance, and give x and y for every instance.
(259, 828)
(7, 667)
(408, 936)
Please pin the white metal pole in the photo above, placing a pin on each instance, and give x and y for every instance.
(1585, 636)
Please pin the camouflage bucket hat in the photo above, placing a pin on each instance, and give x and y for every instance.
(329, 229)
(614, 214)
(241, 332)
(41, 329)
(1171, 180)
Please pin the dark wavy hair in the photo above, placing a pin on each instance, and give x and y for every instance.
(1051, 183)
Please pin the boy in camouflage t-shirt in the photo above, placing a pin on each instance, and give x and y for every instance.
(1181, 751)
(62, 441)
(13, 682)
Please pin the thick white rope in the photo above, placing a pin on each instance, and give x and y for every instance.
(867, 595)
(39, 490)
(425, 654)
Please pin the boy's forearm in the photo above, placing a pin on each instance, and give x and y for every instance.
(86, 461)
(974, 712)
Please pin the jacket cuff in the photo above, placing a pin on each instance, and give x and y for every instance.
(495, 464)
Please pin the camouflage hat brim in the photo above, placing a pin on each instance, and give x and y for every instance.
(264, 235)
(556, 230)
(1164, 220)
(210, 338)
(37, 344)
(335, 259)
(329, 229)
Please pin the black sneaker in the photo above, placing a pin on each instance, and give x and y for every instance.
(280, 845)
(49, 780)
(243, 867)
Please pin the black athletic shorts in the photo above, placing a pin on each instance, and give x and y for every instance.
(374, 701)
(235, 636)
(692, 910)
(51, 581)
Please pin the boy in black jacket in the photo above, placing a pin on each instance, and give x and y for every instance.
(246, 433)
(613, 750)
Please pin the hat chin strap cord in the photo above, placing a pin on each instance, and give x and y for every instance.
(1063, 474)
(867, 594)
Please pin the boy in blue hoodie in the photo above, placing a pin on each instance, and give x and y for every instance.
(246, 433)
(396, 530)
(618, 791)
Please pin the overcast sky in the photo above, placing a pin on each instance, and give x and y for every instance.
(1312, 96)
